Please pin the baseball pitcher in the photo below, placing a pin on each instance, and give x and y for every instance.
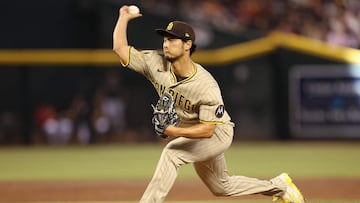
(191, 110)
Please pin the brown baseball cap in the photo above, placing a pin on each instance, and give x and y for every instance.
(179, 30)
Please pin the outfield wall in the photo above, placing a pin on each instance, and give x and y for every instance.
(254, 78)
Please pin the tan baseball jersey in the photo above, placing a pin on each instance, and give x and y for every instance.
(197, 98)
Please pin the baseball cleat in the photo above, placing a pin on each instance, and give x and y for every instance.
(292, 193)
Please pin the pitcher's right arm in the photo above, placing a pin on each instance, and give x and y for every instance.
(120, 42)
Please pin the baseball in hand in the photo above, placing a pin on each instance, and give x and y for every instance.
(134, 9)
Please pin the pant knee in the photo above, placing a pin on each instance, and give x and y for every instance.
(220, 189)
(220, 193)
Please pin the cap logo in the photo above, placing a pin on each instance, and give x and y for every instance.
(187, 35)
(170, 26)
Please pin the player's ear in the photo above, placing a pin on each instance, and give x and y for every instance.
(188, 44)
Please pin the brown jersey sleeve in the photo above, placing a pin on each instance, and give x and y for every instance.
(136, 61)
(145, 62)
(213, 109)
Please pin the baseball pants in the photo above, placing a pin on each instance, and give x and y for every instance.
(207, 157)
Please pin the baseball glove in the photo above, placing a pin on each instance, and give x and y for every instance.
(164, 114)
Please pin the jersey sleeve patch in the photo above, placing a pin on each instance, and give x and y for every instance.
(220, 110)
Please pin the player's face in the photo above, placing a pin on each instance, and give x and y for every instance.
(173, 48)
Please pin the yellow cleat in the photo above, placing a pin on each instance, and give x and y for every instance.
(292, 193)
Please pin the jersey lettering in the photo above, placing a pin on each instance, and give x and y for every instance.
(188, 106)
(180, 100)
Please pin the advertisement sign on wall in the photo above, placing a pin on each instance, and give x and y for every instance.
(324, 101)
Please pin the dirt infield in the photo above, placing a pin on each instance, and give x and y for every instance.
(132, 190)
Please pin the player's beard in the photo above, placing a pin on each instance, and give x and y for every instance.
(172, 59)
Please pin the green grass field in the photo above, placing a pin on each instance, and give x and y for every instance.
(238, 201)
(264, 159)
(137, 161)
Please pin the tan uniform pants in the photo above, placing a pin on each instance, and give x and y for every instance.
(207, 156)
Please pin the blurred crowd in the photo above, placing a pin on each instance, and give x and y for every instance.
(334, 21)
(85, 120)
(95, 118)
